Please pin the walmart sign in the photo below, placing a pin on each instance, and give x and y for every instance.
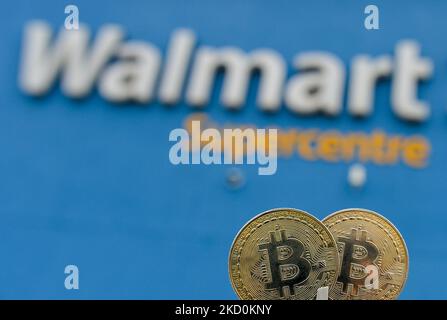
(318, 85)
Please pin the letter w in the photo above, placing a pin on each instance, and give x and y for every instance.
(70, 55)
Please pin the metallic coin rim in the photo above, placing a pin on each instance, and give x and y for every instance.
(391, 225)
(267, 212)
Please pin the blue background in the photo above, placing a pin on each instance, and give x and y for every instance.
(90, 183)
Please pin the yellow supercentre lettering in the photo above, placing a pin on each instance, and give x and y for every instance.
(377, 147)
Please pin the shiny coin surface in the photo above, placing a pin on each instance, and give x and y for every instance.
(373, 256)
(283, 254)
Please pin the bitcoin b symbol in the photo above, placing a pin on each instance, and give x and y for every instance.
(357, 255)
(287, 266)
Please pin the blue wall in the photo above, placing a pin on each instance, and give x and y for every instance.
(90, 183)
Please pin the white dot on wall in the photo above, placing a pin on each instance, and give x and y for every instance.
(235, 178)
(357, 175)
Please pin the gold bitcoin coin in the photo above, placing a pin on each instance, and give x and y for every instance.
(283, 254)
(373, 256)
